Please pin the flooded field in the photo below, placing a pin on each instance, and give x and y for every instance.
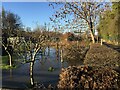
(20, 78)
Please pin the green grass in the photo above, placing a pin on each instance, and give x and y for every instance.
(5, 62)
(7, 67)
(5, 59)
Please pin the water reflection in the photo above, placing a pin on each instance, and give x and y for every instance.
(10, 73)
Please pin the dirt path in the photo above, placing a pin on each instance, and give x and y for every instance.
(115, 47)
(102, 56)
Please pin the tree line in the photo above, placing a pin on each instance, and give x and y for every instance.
(109, 24)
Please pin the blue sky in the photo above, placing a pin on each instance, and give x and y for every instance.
(30, 12)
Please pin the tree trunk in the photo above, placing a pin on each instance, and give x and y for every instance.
(92, 37)
(31, 68)
(31, 73)
(10, 59)
(32, 65)
(10, 56)
(91, 31)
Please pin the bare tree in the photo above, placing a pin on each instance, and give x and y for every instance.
(33, 43)
(75, 11)
(40, 44)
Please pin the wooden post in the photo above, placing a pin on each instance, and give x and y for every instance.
(77, 43)
(48, 50)
(61, 55)
(101, 41)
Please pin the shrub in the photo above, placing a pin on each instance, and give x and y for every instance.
(74, 53)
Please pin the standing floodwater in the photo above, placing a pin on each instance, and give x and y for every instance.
(19, 77)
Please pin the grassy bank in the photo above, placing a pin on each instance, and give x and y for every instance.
(5, 59)
(5, 62)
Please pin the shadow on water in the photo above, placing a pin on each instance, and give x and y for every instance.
(19, 77)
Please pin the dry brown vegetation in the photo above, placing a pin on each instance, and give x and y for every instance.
(74, 52)
(86, 77)
(99, 72)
